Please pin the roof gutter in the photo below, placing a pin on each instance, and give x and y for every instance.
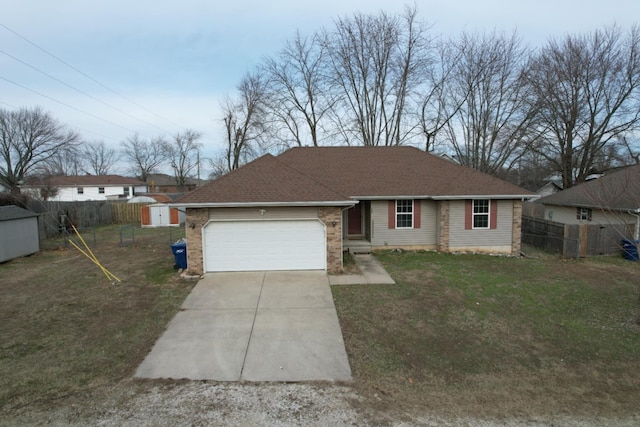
(259, 204)
(456, 197)
(489, 196)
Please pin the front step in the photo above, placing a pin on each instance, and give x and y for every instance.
(357, 246)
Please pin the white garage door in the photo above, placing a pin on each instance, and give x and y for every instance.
(264, 245)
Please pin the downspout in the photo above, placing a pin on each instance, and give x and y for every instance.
(636, 231)
(342, 231)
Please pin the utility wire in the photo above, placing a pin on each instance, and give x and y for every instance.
(88, 76)
(82, 92)
(9, 105)
(65, 104)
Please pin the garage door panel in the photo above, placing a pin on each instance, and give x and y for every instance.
(265, 245)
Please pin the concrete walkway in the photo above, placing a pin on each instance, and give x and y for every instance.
(253, 326)
(373, 273)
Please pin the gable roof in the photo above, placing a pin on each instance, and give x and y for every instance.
(162, 179)
(264, 180)
(377, 172)
(330, 174)
(618, 190)
(14, 212)
(89, 180)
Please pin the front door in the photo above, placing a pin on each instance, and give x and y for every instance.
(354, 220)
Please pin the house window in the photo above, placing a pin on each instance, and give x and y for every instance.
(481, 213)
(101, 190)
(125, 191)
(583, 214)
(80, 190)
(404, 213)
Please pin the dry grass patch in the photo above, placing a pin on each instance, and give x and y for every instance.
(67, 331)
(481, 336)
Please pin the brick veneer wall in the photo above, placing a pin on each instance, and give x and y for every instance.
(328, 215)
(197, 217)
(516, 233)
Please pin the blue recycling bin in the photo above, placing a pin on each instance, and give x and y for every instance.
(179, 250)
(630, 249)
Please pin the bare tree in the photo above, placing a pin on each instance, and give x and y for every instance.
(99, 158)
(67, 161)
(245, 121)
(143, 155)
(437, 105)
(488, 128)
(376, 61)
(28, 138)
(587, 93)
(218, 166)
(183, 154)
(298, 86)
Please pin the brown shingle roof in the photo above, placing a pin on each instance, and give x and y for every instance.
(306, 174)
(393, 171)
(618, 190)
(265, 180)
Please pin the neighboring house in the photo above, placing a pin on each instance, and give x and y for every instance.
(301, 209)
(163, 183)
(85, 188)
(18, 233)
(550, 188)
(614, 198)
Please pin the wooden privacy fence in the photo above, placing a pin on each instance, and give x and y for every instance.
(55, 216)
(127, 213)
(575, 240)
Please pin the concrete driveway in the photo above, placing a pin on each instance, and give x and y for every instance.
(253, 326)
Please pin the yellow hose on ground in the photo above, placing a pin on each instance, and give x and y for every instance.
(89, 254)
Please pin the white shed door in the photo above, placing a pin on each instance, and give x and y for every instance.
(265, 245)
(160, 215)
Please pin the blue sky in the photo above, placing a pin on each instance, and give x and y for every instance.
(176, 59)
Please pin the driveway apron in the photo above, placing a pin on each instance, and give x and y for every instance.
(253, 326)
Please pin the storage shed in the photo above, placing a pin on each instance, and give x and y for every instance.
(160, 215)
(18, 233)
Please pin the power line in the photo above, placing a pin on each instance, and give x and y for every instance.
(9, 105)
(65, 104)
(87, 76)
(70, 125)
(81, 91)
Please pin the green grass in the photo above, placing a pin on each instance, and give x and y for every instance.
(473, 324)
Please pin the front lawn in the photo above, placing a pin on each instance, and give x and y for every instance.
(67, 331)
(496, 337)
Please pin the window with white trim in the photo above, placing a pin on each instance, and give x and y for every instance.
(481, 213)
(80, 190)
(101, 190)
(125, 190)
(583, 214)
(404, 213)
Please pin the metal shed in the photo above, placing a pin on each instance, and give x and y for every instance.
(161, 215)
(18, 233)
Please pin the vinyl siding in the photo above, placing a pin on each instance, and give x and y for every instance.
(70, 194)
(383, 236)
(19, 238)
(567, 215)
(498, 239)
(270, 213)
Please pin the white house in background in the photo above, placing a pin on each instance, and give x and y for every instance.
(85, 188)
